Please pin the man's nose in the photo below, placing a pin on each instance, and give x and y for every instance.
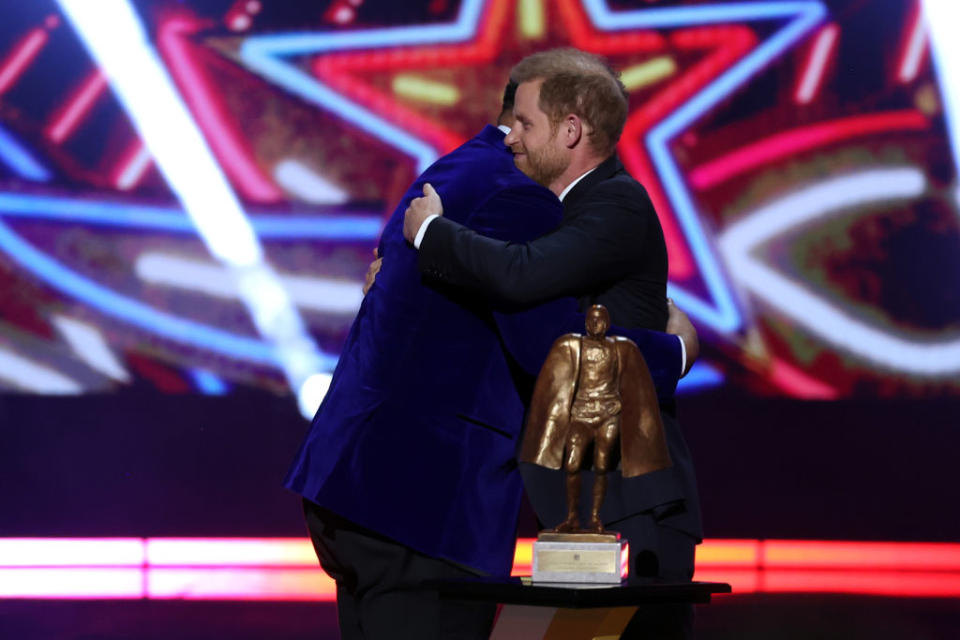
(511, 138)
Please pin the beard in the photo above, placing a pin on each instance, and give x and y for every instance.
(543, 165)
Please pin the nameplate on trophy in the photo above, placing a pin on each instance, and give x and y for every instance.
(577, 558)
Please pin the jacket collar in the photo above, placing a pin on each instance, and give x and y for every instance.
(605, 170)
(493, 136)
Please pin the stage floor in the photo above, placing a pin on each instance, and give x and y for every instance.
(728, 617)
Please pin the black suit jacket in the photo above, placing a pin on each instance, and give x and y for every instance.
(609, 249)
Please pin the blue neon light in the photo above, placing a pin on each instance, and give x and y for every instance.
(701, 376)
(264, 53)
(658, 17)
(119, 306)
(173, 219)
(15, 155)
(211, 384)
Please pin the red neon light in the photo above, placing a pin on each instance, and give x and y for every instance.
(21, 57)
(802, 139)
(79, 105)
(820, 53)
(225, 141)
(914, 48)
(798, 383)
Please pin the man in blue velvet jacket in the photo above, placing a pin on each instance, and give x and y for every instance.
(408, 470)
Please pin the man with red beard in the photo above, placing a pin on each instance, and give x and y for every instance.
(569, 113)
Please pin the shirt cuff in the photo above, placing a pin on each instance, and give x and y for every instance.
(423, 231)
(683, 357)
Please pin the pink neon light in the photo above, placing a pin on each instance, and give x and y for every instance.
(798, 383)
(233, 552)
(213, 119)
(79, 105)
(802, 139)
(20, 58)
(915, 48)
(240, 584)
(132, 167)
(73, 582)
(71, 552)
(820, 53)
(842, 554)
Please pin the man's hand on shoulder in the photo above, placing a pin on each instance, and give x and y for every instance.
(679, 325)
(419, 210)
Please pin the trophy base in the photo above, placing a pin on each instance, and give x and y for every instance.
(580, 558)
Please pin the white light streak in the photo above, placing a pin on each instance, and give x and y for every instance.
(28, 375)
(910, 65)
(304, 183)
(134, 170)
(116, 39)
(792, 298)
(88, 343)
(310, 293)
(942, 17)
(813, 78)
(312, 392)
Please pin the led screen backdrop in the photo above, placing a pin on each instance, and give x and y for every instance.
(193, 210)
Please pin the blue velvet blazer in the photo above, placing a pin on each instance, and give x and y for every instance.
(416, 438)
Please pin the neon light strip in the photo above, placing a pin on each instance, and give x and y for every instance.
(172, 219)
(701, 376)
(133, 167)
(286, 568)
(798, 384)
(820, 53)
(531, 18)
(424, 90)
(26, 375)
(292, 553)
(20, 58)
(656, 17)
(15, 155)
(941, 18)
(89, 344)
(915, 48)
(77, 107)
(920, 356)
(790, 143)
(641, 75)
(263, 54)
(229, 146)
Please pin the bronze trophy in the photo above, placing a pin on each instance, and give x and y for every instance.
(592, 390)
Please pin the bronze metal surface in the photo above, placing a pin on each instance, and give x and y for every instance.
(594, 390)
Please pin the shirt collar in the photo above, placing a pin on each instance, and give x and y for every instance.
(570, 186)
(504, 128)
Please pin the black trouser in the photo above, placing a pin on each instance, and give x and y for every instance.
(379, 585)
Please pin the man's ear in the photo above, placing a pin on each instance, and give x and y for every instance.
(572, 130)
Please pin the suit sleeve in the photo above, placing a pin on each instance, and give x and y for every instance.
(529, 333)
(584, 252)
